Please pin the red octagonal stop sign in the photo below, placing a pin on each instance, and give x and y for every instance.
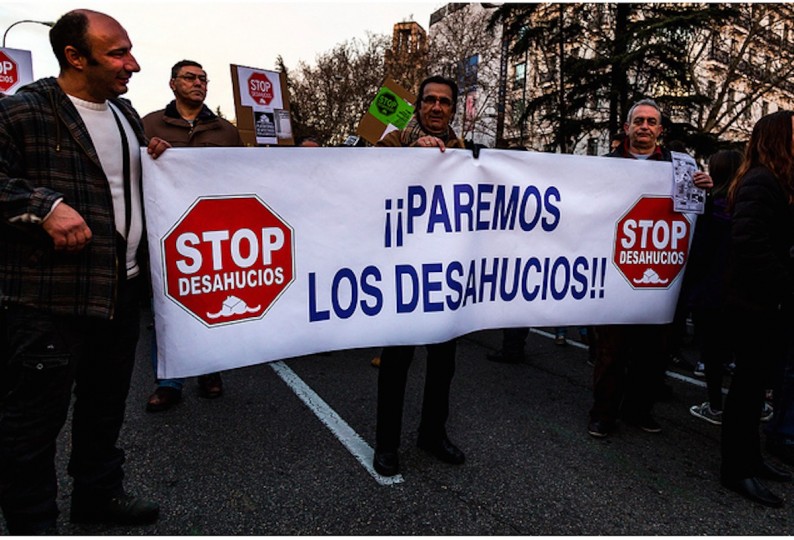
(652, 243)
(9, 74)
(228, 259)
(260, 88)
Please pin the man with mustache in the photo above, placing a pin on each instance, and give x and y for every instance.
(631, 358)
(187, 121)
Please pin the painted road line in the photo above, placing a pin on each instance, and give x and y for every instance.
(341, 430)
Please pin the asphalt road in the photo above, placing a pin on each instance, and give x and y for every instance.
(260, 461)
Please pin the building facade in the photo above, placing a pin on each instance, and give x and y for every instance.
(741, 70)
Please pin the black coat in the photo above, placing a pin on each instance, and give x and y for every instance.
(761, 273)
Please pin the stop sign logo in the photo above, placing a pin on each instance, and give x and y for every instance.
(652, 243)
(9, 73)
(260, 88)
(228, 259)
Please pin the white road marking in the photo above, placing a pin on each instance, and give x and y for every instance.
(353, 441)
(341, 430)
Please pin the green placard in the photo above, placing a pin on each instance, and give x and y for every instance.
(389, 108)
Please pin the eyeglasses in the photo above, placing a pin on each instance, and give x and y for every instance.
(191, 77)
(432, 100)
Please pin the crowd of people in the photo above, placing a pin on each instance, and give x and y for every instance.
(73, 267)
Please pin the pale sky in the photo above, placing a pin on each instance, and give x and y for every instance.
(213, 33)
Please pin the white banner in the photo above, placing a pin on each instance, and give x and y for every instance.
(260, 254)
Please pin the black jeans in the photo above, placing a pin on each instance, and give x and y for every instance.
(760, 340)
(392, 377)
(711, 327)
(44, 357)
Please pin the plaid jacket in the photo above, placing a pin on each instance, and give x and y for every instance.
(46, 153)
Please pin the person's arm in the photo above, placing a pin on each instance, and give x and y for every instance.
(22, 202)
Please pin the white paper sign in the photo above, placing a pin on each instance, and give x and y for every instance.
(687, 196)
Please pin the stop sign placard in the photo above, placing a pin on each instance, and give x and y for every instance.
(652, 243)
(260, 88)
(9, 72)
(228, 259)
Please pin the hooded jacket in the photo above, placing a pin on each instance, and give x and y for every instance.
(47, 154)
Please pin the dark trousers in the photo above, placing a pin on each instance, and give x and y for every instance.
(44, 357)
(513, 341)
(711, 327)
(629, 369)
(760, 347)
(781, 428)
(392, 377)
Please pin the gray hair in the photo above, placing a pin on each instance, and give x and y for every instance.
(647, 102)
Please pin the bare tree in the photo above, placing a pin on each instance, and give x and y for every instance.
(329, 98)
(463, 48)
(752, 59)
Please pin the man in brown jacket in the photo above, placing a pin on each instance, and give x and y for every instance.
(187, 121)
(429, 128)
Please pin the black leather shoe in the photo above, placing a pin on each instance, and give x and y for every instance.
(386, 463)
(753, 489)
(442, 449)
(645, 423)
(210, 386)
(24, 527)
(599, 428)
(768, 472)
(122, 510)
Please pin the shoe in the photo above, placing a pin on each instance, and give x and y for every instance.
(700, 370)
(386, 463)
(753, 489)
(767, 412)
(210, 386)
(25, 527)
(442, 449)
(599, 428)
(766, 471)
(122, 510)
(560, 341)
(375, 362)
(645, 423)
(778, 448)
(501, 358)
(705, 412)
(163, 399)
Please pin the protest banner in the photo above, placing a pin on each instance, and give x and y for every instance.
(262, 254)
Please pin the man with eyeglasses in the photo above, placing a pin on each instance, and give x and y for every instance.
(429, 128)
(187, 121)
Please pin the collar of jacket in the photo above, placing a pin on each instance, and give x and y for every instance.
(623, 151)
(205, 115)
(65, 111)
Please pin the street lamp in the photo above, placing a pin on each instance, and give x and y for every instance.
(45, 23)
